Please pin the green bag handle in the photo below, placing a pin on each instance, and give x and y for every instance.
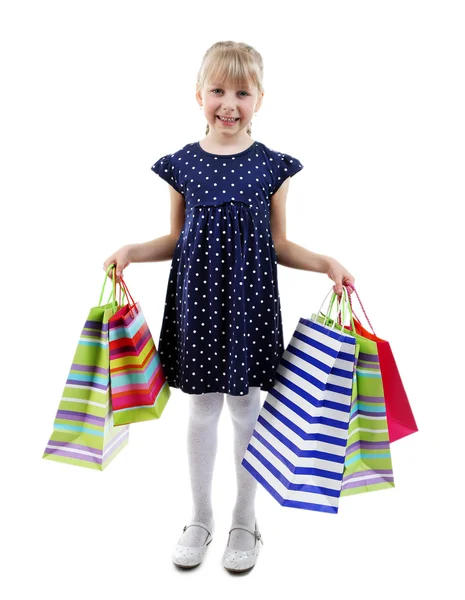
(121, 297)
(345, 302)
(113, 290)
(319, 311)
(326, 315)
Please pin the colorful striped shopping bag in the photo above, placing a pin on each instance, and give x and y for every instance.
(400, 419)
(139, 388)
(83, 431)
(297, 449)
(368, 461)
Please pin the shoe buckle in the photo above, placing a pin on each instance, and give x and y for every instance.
(185, 527)
(258, 535)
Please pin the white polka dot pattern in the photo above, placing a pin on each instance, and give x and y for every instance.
(222, 327)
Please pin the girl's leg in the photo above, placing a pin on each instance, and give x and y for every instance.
(204, 414)
(244, 413)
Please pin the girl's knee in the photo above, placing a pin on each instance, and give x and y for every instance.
(245, 407)
(206, 408)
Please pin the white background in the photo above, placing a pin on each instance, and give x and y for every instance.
(369, 96)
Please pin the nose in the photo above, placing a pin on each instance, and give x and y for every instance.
(229, 102)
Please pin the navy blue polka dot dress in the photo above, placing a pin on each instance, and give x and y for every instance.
(222, 328)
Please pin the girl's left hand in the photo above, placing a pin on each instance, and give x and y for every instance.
(340, 276)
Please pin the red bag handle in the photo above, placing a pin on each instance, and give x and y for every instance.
(353, 312)
(128, 294)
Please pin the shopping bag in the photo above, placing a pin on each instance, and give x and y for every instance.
(139, 388)
(297, 448)
(368, 461)
(83, 431)
(400, 419)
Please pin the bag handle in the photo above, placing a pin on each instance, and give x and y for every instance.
(134, 304)
(120, 298)
(345, 301)
(364, 312)
(125, 287)
(326, 314)
(320, 311)
(113, 290)
(342, 306)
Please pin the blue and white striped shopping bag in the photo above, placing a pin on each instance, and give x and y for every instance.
(297, 449)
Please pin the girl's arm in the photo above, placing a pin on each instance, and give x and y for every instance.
(294, 256)
(159, 249)
(162, 248)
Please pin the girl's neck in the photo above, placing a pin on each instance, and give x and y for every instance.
(209, 144)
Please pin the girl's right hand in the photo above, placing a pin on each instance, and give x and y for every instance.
(120, 259)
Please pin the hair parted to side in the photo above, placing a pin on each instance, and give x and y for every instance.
(233, 62)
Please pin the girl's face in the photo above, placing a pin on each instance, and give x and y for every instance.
(224, 100)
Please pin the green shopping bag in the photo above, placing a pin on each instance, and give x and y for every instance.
(83, 431)
(368, 462)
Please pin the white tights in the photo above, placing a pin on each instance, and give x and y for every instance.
(202, 441)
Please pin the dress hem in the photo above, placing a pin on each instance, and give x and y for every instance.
(173, 384)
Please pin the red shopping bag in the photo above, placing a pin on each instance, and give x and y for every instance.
(401, 421)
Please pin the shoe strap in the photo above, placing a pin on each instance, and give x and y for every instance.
(199, 524)
(255, 532)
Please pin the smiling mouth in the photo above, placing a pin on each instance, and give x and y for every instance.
(226, 120)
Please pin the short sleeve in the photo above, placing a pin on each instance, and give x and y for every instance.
(285, 166)
(168, 171)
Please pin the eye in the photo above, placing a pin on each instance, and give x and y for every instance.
(241, 92)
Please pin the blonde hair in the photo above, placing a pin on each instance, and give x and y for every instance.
(233, 62)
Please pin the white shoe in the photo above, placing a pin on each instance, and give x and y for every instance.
(242, 560)
(191, 556)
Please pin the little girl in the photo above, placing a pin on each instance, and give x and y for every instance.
(222, 331)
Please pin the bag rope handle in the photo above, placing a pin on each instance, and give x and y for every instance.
(328, 309)
(360, 302)
(343, 305)
(343, 302)
(134, 304)
(113, 290)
